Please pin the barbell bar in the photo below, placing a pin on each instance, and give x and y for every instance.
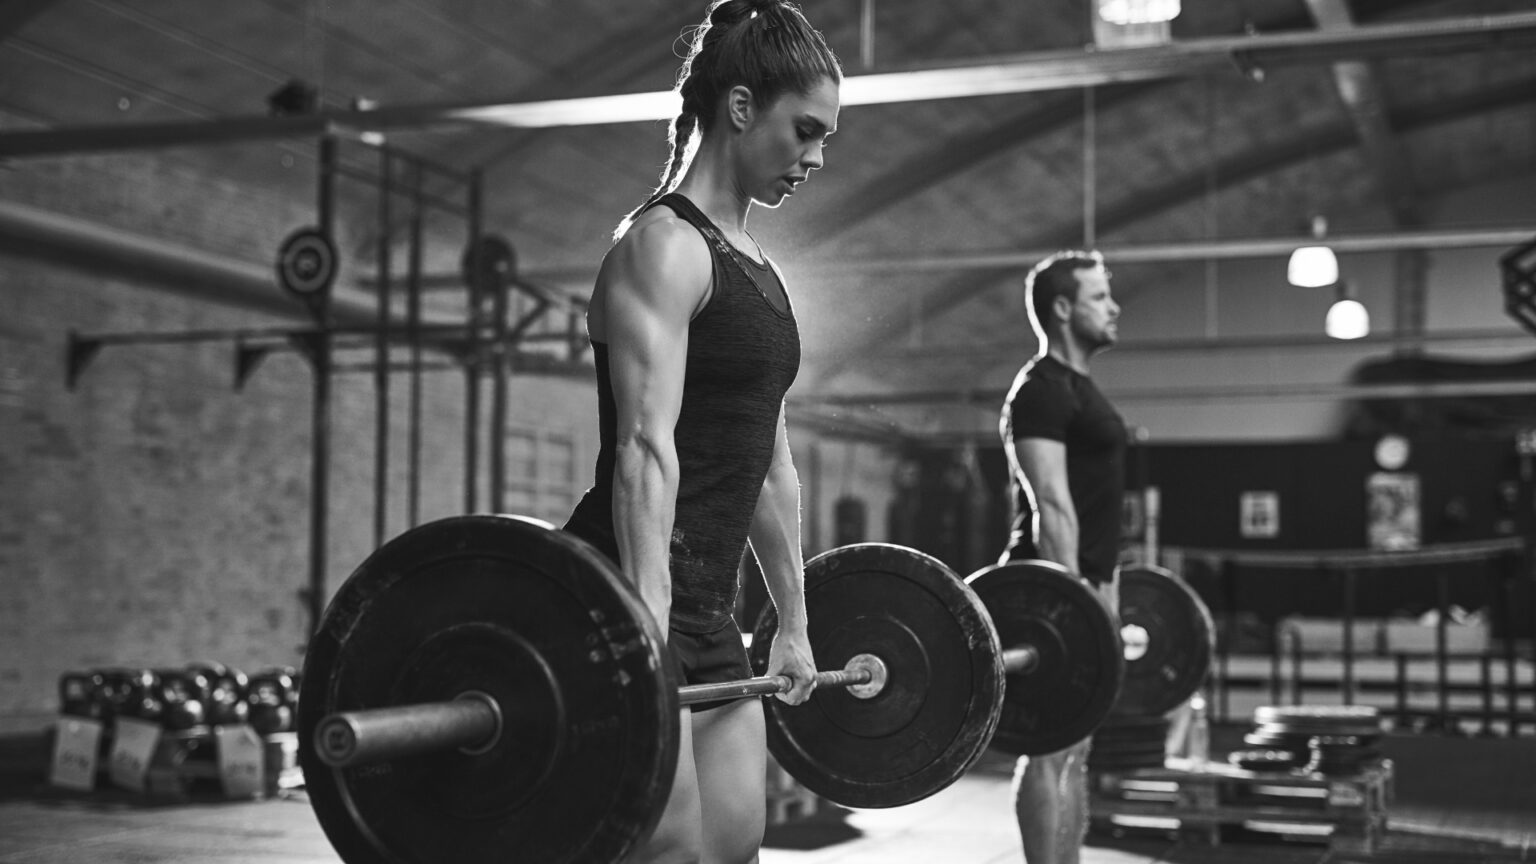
(483, 683)
(472, 721)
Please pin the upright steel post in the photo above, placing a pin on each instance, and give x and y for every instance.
(381, 353)
(1442, 601)
(320, 464)
(1348, 682)
(1228, 574)
(473, 354)
(413, 328)
(501, 368)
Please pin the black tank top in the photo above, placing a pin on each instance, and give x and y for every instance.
(743, 353)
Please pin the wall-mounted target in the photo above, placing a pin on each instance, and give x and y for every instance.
(306, 263)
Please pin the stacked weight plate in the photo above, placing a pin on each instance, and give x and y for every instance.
(1126, 743)
(1322, 739)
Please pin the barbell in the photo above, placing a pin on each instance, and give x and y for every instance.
(482, 684)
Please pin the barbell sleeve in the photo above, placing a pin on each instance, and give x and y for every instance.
(1021, 660)
(471, 722)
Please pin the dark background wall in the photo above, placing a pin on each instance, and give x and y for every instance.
(1471, 489)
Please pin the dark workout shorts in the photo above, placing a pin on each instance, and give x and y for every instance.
(709, 658)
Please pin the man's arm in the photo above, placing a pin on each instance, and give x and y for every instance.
(775, 536)
(1044, 463)
(652, 282)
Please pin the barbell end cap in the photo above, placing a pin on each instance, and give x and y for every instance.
(336, 741)
(495, 736)
(878, 675)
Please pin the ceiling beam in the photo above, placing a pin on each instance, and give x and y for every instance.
(14, 14)
(1020, 260)
(951, 157)
(1011, 350)
(1303, 392)
(1014, 74)
(1306, 144)
(1361, 93)
(960, 153)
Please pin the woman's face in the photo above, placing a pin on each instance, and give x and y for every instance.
(783, 143)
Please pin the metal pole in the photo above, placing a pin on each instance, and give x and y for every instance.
(1442, 591)
(1090, 170)
(1486, 685)
(413, 328)
(473, 353)
(381, 354)
(1512, 562)
(501, 367)
(1229, 582)
(1275, 671)
(320, 463)
(1349, 636)
(867, 35)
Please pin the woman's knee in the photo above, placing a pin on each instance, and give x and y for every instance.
(675, 841)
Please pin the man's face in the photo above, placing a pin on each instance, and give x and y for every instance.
(1095, 312)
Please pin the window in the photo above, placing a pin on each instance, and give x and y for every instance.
(541, 476)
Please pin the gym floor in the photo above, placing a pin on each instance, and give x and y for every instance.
(1458, 800)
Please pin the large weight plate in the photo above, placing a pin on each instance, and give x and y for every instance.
(544, 624)
(939, 707)
(1181, 640)
(1072, 688)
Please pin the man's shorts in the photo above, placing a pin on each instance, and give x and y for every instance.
(709, 658)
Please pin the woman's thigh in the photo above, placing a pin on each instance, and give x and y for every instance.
(730, 759)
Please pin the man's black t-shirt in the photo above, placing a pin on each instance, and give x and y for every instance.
(1051, 400)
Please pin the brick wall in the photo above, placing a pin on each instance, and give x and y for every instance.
(154, 515)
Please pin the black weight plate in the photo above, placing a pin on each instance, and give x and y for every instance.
(489, 263)
(544, 624)
(1072, 688)
(939, 707)
(1181, 640)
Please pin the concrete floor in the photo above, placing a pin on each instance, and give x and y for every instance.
(970, 821)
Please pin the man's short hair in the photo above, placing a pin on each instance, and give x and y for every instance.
(1056, 276)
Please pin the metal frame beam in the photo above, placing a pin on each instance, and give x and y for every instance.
(1259, 392)
(989, 76)
(1191, 250)
(16, 13)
